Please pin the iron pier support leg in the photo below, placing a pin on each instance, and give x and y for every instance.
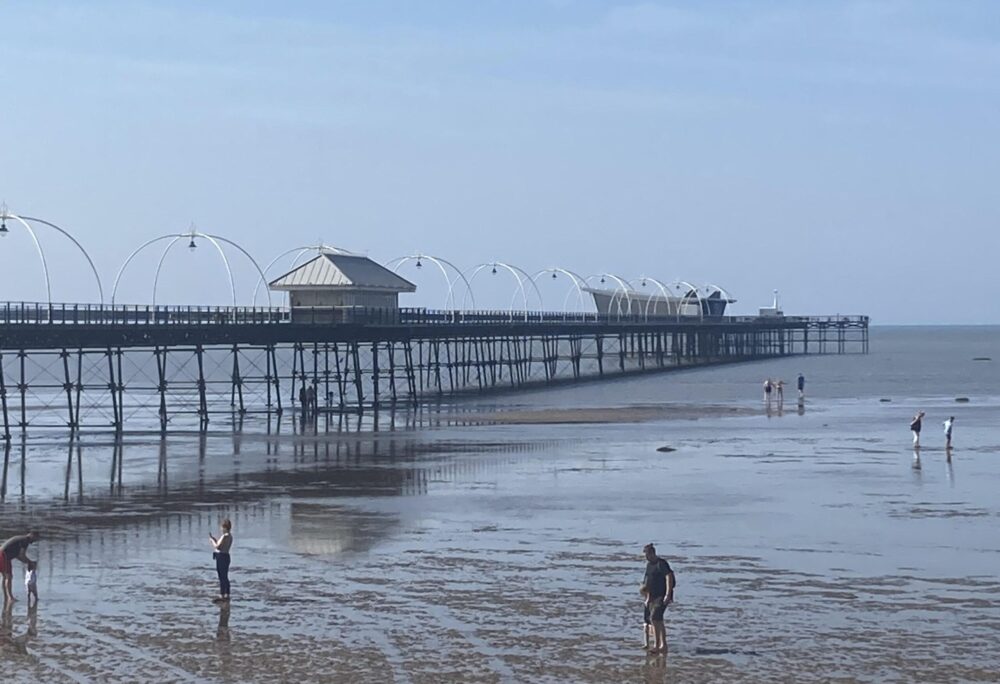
(326, 375)
(22, 388)
(359, 389)
(6, 420)
(437, 366)
(202, 395)
(115, 408)
(161, 373)
(120, 389)
(411, 381)
(237, 381)
(68, 387)
(79, 389)
(341, 377)
(375, 376)
(315, 377)
(450, 364)
(275, 377)
(392, 371)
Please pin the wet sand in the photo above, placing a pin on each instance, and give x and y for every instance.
(807, 548)
(614, 414)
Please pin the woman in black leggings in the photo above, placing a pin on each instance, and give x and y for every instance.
(220, 552)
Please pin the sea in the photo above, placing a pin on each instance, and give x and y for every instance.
(499, 538)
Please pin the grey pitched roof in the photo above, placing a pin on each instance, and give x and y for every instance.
(342, 271)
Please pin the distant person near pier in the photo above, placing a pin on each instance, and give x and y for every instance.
(802, 386)
(915, 426)
(658, 587)
(14, 548)
(220, 552)
(947, 431)
(781, 391)
(768, 386)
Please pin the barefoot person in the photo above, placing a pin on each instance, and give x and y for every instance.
(14, 548)
(220, 552)
(659, 587)
(947, 431)
(802, 386)
(915, 426)
(31, 581)
(647, 626)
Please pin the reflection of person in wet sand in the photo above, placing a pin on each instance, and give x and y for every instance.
(658, 584)
(222, 631)
(915, 426)
(220, 552)
(14, 548)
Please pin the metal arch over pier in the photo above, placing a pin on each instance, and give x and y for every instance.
(116, 368)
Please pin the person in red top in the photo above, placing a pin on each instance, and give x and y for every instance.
(15, 547)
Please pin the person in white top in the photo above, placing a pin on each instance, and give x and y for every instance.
(947, 431)
(31, 580)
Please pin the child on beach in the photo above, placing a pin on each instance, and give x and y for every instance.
(647, 627)
(31, 580)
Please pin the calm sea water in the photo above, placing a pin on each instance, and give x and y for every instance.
(811, 543)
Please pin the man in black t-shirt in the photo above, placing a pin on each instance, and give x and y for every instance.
(658, 585)
(15, 547)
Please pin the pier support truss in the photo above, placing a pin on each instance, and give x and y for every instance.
(186, 383)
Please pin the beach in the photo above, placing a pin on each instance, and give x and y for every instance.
(810, 544)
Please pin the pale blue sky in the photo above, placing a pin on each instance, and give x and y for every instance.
(846, 153)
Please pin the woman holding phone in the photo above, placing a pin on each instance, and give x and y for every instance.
(220, 552)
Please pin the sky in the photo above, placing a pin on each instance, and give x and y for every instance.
(843, 153)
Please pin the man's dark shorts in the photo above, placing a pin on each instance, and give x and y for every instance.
(655, 609)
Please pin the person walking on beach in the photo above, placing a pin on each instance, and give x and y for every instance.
(658, 587)
(220, 552)
(915, 426)
(768, 386)
(14, 548)
(781, 391)
(311, 399)
(802, 386)
(947, 431)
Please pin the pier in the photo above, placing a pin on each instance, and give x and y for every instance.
(343, 340)
(103, 367)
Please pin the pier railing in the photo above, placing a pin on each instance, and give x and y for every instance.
(35, 313)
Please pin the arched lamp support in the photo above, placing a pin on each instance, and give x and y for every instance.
(86, 255)
(395, 264)
(578, 282)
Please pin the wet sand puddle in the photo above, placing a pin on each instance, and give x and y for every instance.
(510, 553)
